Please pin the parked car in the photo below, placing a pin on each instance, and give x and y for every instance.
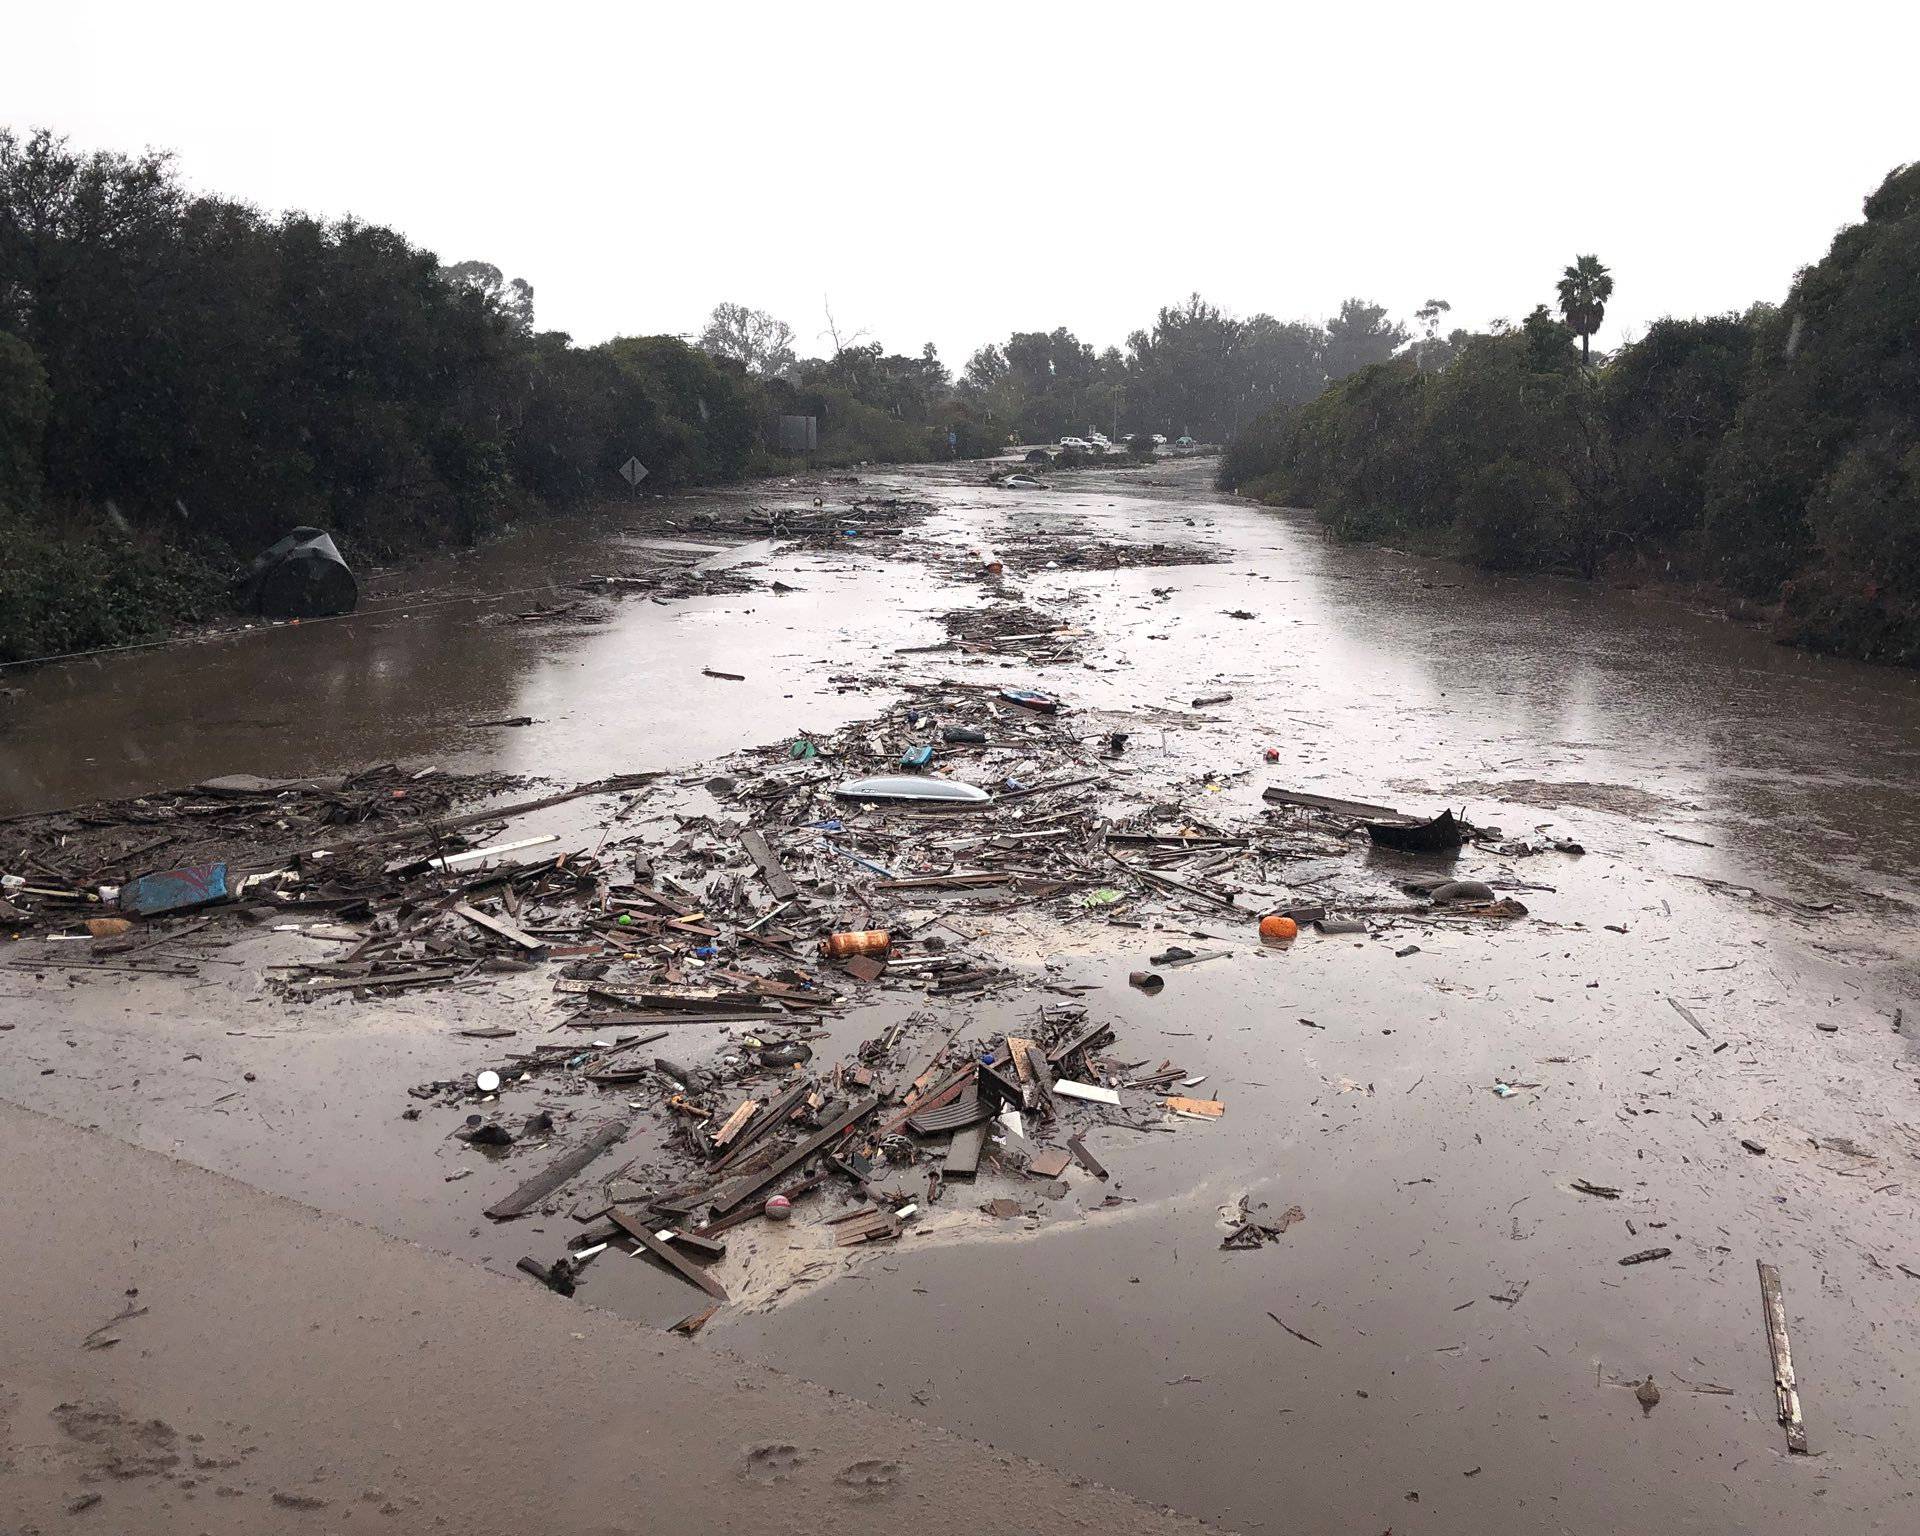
(1159, 439)
(1077, 442)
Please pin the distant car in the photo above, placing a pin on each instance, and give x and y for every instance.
(1159, 439)
(1185, 442)
(1100, 440)
(1077, 442)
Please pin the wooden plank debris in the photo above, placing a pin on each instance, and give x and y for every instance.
(735, 1122)
(1078, 1147)
(1786, 1391)
(963, 1152)
(556, 1173)
(391, 979)
(1088, 1037)
(1358, 809)
(779, 883)
(1206, 1109)
(782, 1105)
(685, 1268)
(834, 1128)
(499, 928)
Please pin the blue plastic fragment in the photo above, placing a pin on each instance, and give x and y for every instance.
(175, 890)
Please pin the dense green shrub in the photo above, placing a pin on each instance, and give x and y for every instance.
(23, 425)
(1514, 515)
(69, 591)
(1784, 443)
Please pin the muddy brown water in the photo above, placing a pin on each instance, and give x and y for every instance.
(1752, 817)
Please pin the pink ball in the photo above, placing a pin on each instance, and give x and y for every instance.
(779, 1208)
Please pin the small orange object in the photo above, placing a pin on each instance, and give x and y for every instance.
(1278, 927)
(873, 941)
(108, 927)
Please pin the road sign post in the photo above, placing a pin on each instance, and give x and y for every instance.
(633, 472)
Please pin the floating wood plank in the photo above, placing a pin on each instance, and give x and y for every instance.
(688, 1271)
(608, 1076)
(963, 1152)
(1048, 1165)
(1786, 1391)
(638, 993)
(1356, 808)
(1087, 1037)
(1208, 1109)
(735, 1123)
(675, 1018)
(1175, 840)
(697, 1242)
(499, 928)
(661, 899)
(556, 1173)
(962, 882)
(834, 1128)
(454, 861)
(393, 979)
(872, 1226)
(1078, 1147)
(779, 883)
(781, 1106)
(1039, 1079)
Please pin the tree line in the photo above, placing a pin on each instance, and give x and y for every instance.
(1774, 453)
(183, 378)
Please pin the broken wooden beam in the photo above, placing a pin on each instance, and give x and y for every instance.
(556, 1173)
(735, 1122)
(782, 1105)
(500, 928)
(687, 1270)
(779, 883)
(834, 1128)
(1357, 809)
(1078, 1147)
(963, 1152)
(1786, 1391)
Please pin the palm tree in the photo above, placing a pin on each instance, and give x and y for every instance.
(1585, 288)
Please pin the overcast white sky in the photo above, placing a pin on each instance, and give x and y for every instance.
(951, 173)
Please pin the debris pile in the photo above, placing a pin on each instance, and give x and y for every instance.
(795, 924)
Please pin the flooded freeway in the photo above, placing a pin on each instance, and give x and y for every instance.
(1448, 1341)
